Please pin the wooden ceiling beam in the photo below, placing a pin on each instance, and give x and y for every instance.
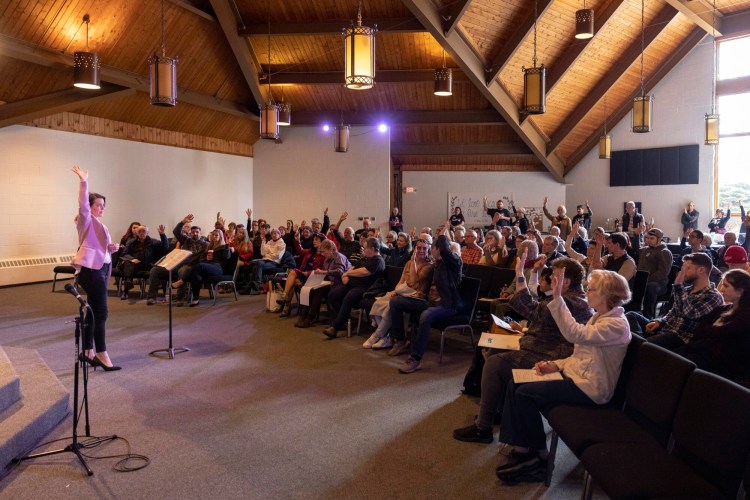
(184, 4)
(239, 45)
(58, 102)
(393, 25)
(337, 77)
(454, 15)
(461, 52)
(514, 42)
(736, 25)
(571, 55)
(618, 69)
(509, 148)
(395, 118)
(43, 56)
(692, 41)
(406, 166)
(700, 13)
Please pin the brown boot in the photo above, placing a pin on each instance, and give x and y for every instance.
(303, 322)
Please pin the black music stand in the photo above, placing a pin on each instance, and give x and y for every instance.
(170, 262)
(75, 447)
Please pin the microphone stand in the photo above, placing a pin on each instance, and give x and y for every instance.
(75, 446)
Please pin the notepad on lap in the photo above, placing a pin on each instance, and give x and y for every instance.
(500, 341)
(523, 376)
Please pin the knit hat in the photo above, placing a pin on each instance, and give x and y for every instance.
(656, 232)
(735, 254)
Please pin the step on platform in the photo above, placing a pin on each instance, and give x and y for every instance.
(37, 405)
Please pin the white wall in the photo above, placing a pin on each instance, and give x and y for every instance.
(142, 182)
(428, 206)
(681, 100)
(302, 176)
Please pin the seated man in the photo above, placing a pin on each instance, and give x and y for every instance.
(471, 252)
(694, 298)
(617, 259)
(655, 258)
(443, 301)
(365, 228)
(736, 258)
(550, 245)
(730, 239)
(139, 254)
(542, 341)
(355, 281)
(694, 244)
(349, 244)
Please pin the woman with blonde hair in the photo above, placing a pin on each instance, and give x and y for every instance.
(590, 373)
(211, 264)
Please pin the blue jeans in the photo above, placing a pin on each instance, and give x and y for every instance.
(260, 266)
(522, 423)
(653, 290)
(342, 299)
(400, 306)
(94, 283)
(428, 317)
(200, 271)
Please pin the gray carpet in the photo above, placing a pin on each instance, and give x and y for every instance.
(257, 409)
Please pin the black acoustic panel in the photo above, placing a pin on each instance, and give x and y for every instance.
(655, 166)
(652, 171)
(689, 165)
(670, 166)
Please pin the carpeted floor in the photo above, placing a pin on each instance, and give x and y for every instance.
(257, 409)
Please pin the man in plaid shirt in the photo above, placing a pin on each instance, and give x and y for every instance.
(694, 297)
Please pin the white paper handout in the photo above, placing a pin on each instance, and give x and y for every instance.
(504, 325)
(523, 376)
(313, 281)
(500, 341)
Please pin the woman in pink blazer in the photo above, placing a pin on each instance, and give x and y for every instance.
(93, 263)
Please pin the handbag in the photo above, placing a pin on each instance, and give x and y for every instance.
(271, 297)
(405, 290)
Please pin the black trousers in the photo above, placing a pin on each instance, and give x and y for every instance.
(94, 283)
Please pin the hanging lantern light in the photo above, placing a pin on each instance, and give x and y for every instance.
(163, 74)
(269, 111)
(443, 80)
(341, 138)
(584, 23)
(605, 140)
(712, 119)
(86, 65)
(642, 104)
(285, 111)
(534, 92)
(359, 54)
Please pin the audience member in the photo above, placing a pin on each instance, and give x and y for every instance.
(560, 220)
(271, 251)
(634, 225)
(717, 223)
(457, 218)
(139, 255)
(399, 255)
(334, 266)
(520, 220)
(583, 218)
(655, 258)
(694, 297)
(617, 259)
(494, 253)
(500, 215)
(312, 259)
(736, 258)
(211, 264)
(730, 239)
(355, 281)
(689, 220)
(471, 253)
(396, 221)
(590, 374)
(349, 246)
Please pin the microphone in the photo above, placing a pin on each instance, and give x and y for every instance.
(71, 289)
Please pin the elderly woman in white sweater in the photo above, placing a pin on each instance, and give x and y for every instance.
(589, 375)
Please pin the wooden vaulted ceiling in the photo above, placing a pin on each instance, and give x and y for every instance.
(223, 50)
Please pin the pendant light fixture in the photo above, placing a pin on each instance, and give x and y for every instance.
(86, 65)
(285, 111)
(584, 23)
(642, 104)
(712, 120)
(605, 141)
(444, 80)
(341, 131)
(534, 92)
(269, 111)
(163, 74)
(359, 54)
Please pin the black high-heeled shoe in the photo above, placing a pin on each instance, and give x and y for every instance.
(83, 358)
(97, 362)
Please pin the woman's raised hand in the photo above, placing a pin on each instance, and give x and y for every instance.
(249, 213)
(521, 263)
(558, 276)
(82, 174)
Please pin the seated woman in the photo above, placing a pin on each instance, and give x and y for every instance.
(244, 248)
(722, 344)
(211, 264)
(334, 266)
(495, 251)
(400, 253)
(140, 254)
(126, 237)
(390, 239)
(415, 280)
(589, 375)
(312, 259)
(718, 223)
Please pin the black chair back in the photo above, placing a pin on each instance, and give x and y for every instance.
(469, 290)
(485, 275)
(654, 389)
(392, 276)
(230, 267)
(711, 433)
(503, 277)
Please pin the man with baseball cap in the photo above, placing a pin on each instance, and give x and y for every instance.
(655, 258)
(736, 258)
